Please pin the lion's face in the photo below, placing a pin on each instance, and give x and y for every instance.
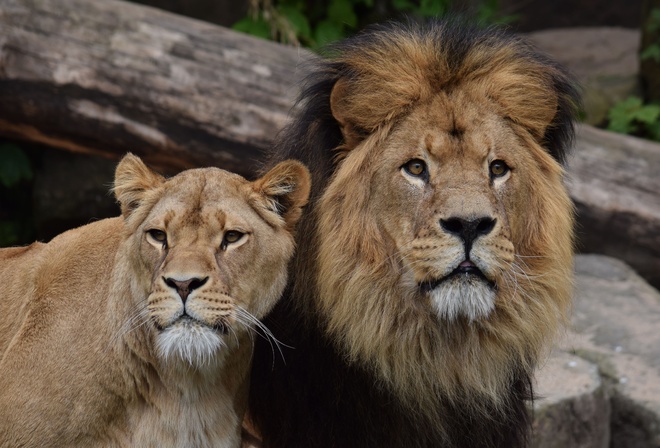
(447, 194)
(212, 250)
(445, 235)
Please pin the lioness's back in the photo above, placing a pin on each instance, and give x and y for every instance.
(15, 260)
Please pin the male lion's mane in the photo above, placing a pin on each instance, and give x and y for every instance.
(326, 392)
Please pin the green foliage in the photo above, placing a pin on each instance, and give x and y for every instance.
(315, 24)
(14, 165)
(632, 116)
(652, 51)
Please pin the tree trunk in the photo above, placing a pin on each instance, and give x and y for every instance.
(108, 77)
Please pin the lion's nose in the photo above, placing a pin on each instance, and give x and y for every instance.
(468, 229)
(185, 287)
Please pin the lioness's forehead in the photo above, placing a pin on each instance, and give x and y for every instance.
(202, 194)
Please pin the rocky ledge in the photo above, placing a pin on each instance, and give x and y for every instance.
(601, 388)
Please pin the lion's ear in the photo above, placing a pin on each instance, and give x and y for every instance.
(285, 189)
(132, 180)
(341, 110)
(524, 93)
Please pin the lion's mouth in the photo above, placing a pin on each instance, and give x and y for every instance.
(466, 269)
(187, 321)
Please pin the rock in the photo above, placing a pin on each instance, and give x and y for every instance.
(616, 325)
(614, 182)
(574, 409)
(604, 59)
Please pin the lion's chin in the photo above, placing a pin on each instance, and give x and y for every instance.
(466, 295)
(190, 341)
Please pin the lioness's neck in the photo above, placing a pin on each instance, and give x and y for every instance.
(174, 403)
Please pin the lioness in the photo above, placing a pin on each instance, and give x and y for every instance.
(137, 330)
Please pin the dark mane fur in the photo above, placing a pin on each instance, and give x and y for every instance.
(311, 396)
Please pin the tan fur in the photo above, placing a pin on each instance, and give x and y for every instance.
(94, 350)
(379, 232)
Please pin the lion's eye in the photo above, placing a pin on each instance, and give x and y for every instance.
(415, 167)
(498, 168)
(158, 235)
(231, 236)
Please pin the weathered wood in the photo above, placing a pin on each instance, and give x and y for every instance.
(615, 184)
(108, 77)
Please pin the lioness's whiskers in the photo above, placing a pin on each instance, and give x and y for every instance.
(252, 322)
(138, 317)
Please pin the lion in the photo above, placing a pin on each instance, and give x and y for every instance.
(138, 330)
(434, 263)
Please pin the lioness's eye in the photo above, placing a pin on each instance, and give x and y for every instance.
(415, 167)
(498, 168)
(158, 235)
(231, 236)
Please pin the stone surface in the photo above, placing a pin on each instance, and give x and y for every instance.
(616, 326)
(614, 182)
(573, 410)
(604, 59)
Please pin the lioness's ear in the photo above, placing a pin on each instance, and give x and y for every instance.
(132, 180)
(286, 190)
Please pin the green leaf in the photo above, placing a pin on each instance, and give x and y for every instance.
(14, 165)
(432, 8)
(651, 52)
(297, 20)
(654, 131)
(621, 115)
(326, 32)
(259, 27)
(403, 5)
(648, 114)
(653, 24)
(341, 11)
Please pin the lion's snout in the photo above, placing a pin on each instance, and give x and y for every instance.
(468, 230)
(184, 287)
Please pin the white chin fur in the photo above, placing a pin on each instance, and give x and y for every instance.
(191, 342)
(470, 298)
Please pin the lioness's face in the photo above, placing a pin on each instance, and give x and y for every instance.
(214, 249)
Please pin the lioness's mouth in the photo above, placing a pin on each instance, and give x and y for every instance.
(466, 268)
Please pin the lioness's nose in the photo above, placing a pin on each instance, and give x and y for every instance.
(468, 229)
(185, 287)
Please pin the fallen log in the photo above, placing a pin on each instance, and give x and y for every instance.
(109, 77)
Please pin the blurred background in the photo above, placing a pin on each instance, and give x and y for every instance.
(612, 46)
